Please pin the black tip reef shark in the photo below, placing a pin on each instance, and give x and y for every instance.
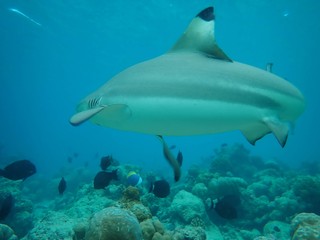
(194, 88)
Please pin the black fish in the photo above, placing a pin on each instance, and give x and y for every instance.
(180, 158)
(70, 159)
(160, 188)
(226, 206)
(102, 179)
(106, 162)
(18, 170)
(62, 186)
(5, 206)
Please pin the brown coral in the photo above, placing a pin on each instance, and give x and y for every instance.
(197, 222)
(152, 229)
(306, 226)
(114, 224)
(131, 194)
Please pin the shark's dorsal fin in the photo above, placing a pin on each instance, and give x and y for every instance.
(199, 37)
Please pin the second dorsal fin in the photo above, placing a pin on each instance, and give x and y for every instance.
(199, 37)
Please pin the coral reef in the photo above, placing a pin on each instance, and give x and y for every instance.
(153, 229)
(54, 225)
(269, 198)
(114, 224)
(307, 188)
(235, 160)
(186, 206)
(20, 218)
(141, 212)
(130, 194)
(277, 229)
(219, 187)
(80, 229)
(213, 232)
(192, 233)
(306, 226)
(200, 190)
(6, 233)
(23, 217)
(231, 233)
(148, 229)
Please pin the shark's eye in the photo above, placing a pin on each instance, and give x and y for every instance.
(92, 103)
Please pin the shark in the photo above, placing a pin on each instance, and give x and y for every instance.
(192, 89)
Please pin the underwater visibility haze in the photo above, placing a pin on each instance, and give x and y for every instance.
(55, 53)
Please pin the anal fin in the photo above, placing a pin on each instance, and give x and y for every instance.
(268, 125)
(279, 129)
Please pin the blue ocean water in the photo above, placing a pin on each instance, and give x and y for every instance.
(53, 53)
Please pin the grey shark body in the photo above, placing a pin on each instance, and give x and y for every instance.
(194, 89)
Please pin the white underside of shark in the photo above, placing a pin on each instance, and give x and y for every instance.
(194, 89)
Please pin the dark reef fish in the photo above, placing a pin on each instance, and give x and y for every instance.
(5, 206)
(106, 162)
(226, 206)
(171, 159)
(180, 158)
(70, 159)
(160, 188)
(62, 186)
(18, 170)
(103, 179)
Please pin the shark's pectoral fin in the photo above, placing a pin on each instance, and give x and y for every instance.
(199, 37)
(83, 116)
(113, 113)
(279, 129)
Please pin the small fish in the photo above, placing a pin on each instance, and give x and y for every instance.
(5, 206)
(269, 67)
(18, 170)
(134, 179)
(24, 15)
(160, 188)
(103, 179)
(62, 186)
(106, 162)
(171, 159)
(226, 206)
(70, 159)
(180, 158)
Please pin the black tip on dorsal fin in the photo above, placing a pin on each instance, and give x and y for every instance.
(199, 37)
(207, 14)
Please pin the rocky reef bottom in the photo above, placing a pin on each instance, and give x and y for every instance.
(232, 196)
